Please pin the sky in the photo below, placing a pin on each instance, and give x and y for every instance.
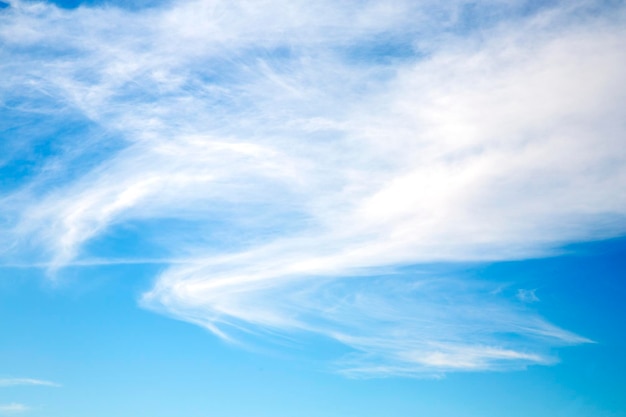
(313, 208)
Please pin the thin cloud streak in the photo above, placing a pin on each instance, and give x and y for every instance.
(11, 382)
(13, 408)
(301, 167)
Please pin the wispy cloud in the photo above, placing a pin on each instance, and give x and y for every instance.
(301, 156)
(10, 382)
(527, 296)
(13, 408)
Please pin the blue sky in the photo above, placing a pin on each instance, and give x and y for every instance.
(274, 208)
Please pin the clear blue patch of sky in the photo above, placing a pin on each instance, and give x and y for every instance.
(382, 50)
(124, 4)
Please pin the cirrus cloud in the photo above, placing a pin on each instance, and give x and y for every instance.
(292, 162)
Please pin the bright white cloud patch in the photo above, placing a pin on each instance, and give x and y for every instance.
(292, 159)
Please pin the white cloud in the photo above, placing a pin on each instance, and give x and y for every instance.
(306, 170)
(10, 382)
(13, 408)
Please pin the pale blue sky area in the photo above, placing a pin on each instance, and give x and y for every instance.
(361, 208)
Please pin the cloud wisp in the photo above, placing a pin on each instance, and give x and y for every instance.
(13, 408)
(299, 158)
(11, 382)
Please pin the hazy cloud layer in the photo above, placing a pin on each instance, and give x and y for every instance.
(289, 160)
